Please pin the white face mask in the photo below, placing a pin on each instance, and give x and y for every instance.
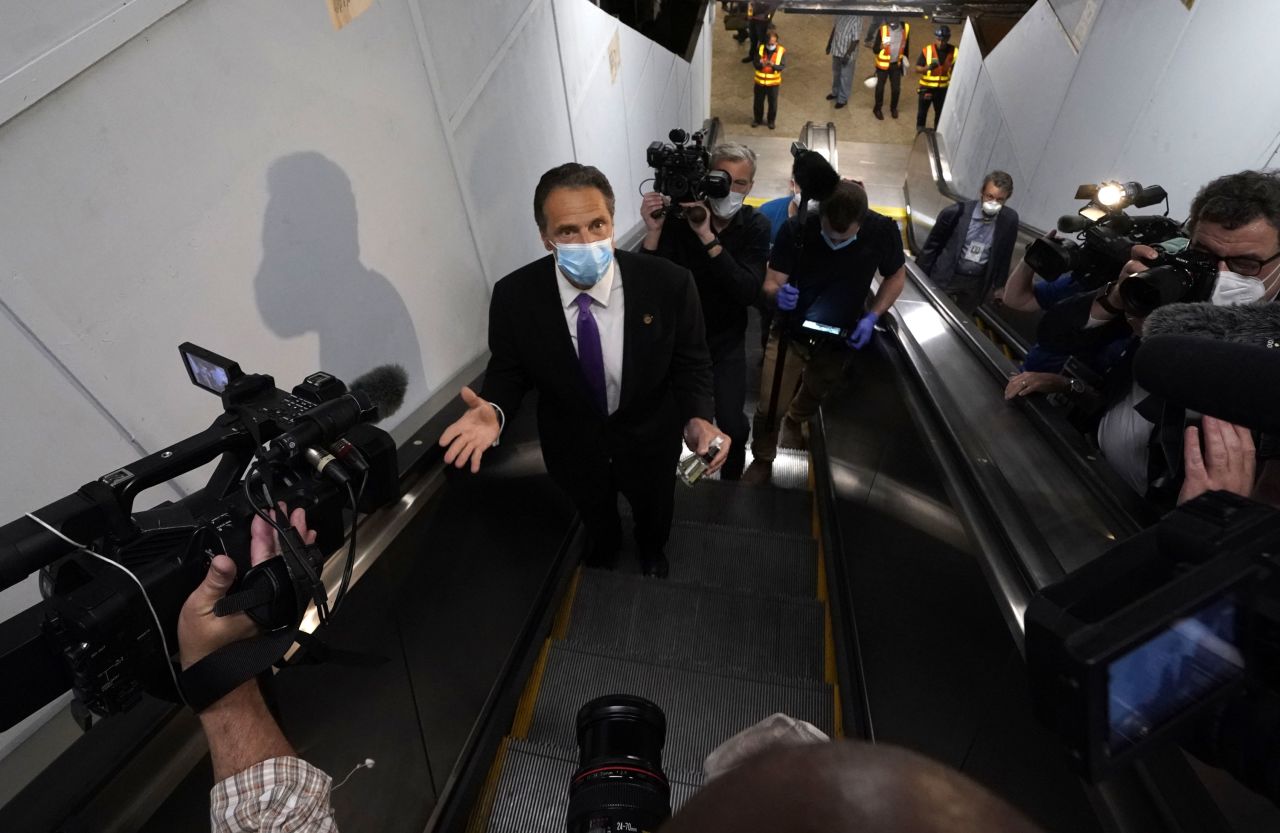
(991, 208)
(1232, 290)
(795, 199)
(726, 207)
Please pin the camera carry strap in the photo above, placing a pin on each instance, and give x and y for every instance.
(221, 672)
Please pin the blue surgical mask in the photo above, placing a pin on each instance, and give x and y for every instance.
(837, 245)
(584, 264)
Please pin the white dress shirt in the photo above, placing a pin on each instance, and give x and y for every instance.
(608, 308)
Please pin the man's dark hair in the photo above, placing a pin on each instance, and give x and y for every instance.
(1236, 200)
(846, 205)
(1001, 180)
(569, 175)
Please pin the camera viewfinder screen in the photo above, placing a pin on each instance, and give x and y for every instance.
(206, 374)
(1161, 678)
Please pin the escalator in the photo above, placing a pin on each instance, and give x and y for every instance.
(735, 634)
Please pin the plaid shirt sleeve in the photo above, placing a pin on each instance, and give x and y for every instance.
(280, 795)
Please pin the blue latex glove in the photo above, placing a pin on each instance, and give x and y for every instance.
(861, 335)
(788, 297)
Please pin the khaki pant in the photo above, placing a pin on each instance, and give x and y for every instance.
(808, 375)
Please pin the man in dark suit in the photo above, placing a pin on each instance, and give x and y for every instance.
(969, 250)
(615, 345)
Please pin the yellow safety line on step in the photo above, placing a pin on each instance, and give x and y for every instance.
(483, 809)
(560, 627)
(529, 699)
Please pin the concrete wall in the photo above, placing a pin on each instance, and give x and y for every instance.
(1147, 96)
(240, 175)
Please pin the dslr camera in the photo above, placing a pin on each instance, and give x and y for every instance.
(114, 580)
(682, 171)
(1106, 233)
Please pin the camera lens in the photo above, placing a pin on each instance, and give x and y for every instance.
(619, 784)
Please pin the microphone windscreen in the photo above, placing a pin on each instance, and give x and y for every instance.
(814, 174)
(385, 385)
(1072, 223)
(1236, 382)
(1257, 324)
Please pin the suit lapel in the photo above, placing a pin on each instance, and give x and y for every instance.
(639, 313)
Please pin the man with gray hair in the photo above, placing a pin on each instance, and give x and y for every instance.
(969, 250)
(725, 244)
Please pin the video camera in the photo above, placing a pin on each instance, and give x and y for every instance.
(682, 171)
(1107, 234)
(114, 580)
(1131, 648)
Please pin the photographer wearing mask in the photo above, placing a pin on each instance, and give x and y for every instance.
(725, 244)
(971, 244)
(1236, 219)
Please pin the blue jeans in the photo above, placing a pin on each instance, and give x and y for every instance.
(841, 78)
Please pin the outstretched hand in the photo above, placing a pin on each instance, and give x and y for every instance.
(200, 630)
(472, 434)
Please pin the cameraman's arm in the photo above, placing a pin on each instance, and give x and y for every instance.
(742, 274)
(1019, 290)
(262, 785)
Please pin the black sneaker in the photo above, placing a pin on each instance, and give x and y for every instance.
(840, 105)
(755, 124)
(772, 126)
(746, 60)
(831, 97)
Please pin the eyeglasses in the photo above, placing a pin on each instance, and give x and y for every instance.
(1247, 266)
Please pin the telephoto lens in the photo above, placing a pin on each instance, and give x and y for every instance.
(619, 785)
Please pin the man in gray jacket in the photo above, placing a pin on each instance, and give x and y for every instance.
(971, 245)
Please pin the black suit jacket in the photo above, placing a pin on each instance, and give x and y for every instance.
(666, 369)
(942, 250)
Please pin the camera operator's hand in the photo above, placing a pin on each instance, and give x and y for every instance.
(652, 203)
(1226, 464)
(788, 297)
(698, 434)
(200, 631)
(472, 434)
(1029, 382)
(699, 220)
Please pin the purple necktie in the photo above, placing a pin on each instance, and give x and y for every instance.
(590, 353)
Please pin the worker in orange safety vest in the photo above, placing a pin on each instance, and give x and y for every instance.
(892, 46)
(936, 62)
(769, 62)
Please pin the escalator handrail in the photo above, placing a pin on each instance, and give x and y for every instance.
(1127, 510)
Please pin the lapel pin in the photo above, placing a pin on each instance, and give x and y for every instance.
(648, 319)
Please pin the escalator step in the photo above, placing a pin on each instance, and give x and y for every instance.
(735, 559)
(745, 507)
(533, 792)
(702, 709)
(721, 631)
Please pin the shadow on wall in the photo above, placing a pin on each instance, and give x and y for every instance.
(311, 278)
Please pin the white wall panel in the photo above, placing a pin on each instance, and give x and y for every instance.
(1037, 50)
(1110, 88)
(517, 130)
(1194, 127)
(982, 125)
(466, 35)
(964, 79)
